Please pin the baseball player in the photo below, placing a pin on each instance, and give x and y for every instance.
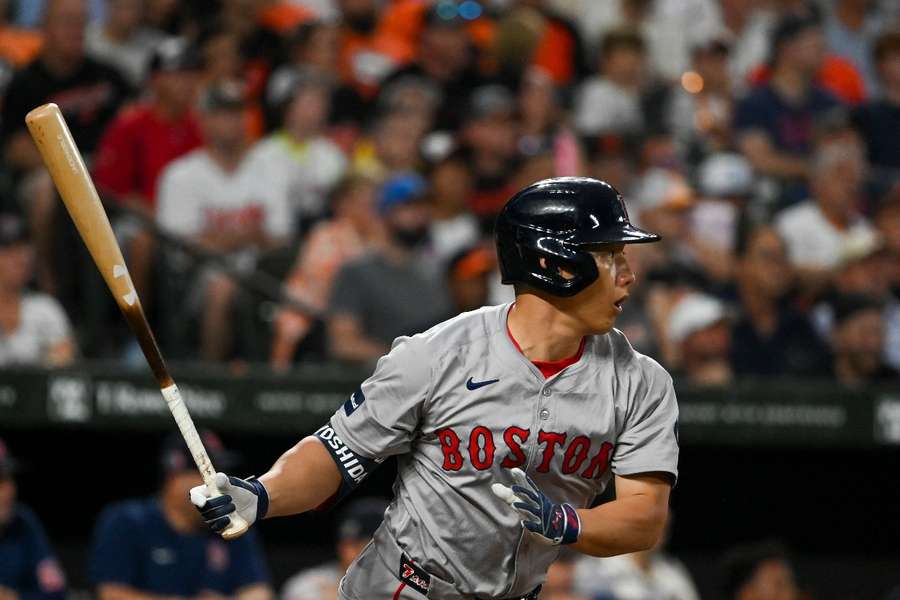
(507, 422)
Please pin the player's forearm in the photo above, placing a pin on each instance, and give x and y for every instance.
(302, 479)
(118, 591)
(626, 525)
(259, 591)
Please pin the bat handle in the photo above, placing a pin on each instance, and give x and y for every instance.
(188, 430)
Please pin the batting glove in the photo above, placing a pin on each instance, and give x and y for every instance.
(245, 497)
(555, 523)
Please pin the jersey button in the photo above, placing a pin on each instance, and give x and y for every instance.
(545, 414)
(546, 392)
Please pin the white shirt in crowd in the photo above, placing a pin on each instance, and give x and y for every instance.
(602, 106)
(621, 578)
(300, 175)
(197, 195)
(42, 324)
(813, 241)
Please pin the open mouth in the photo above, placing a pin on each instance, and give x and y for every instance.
(618, 303)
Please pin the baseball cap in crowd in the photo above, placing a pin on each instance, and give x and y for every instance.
(12, 230)
(725, 175)
(285, 84)
(228, 95)
(490, 101)
(694, 313)
(360, 519)
(174, 54)
(401, 189)
(471, 263)
(8, 465)
(661, 188)
(175, 457)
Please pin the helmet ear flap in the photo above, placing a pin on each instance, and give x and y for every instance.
(556, 255)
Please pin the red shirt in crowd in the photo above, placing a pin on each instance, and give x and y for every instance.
(137, 146)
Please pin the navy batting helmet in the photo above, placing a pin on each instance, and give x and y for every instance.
(557, 219)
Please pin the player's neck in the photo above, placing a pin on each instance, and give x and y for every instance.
(542, 331)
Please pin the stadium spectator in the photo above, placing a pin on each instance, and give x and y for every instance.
(878, 121)
(446, 59)
(888, 221)
(769, 336)
(453, 227)
(28, 570)
(88, 92)
(610, 101)
(725, 185)
(748, 26)
(147, 136)
(34, 329)
(488, 138)
(122, 41)
(158, 547)
(356, 526)
(648, 575)
(392, 146)
(699, 326)
(298, 165)
(560, 581)
(700, 109)
(353, 229)
(213, 196)
(542, 124)
(857, 341)
(390, 292)
(850, 30)
(760, 571)
(468, 279)
(818, 231)
(775, 123)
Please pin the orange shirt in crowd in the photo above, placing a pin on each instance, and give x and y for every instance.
(329, 247)
(837, 75)
(19, 47)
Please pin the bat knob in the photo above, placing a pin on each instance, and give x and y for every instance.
(237, 528)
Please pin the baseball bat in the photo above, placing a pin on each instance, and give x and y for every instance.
(64, 162)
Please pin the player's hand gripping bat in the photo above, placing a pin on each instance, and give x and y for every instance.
(66, 166)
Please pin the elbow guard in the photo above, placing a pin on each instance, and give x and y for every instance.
(353, 467)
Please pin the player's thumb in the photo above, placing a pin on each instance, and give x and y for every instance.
(221, 481)
(504, 493)
(199, 496)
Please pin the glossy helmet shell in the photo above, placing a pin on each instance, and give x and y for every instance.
(558, 220)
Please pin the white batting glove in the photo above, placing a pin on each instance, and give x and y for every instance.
(245, 497)
(554, 523)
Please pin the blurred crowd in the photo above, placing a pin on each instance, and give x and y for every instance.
(297, 180)
(157, 548)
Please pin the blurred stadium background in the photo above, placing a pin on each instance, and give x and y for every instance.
(297, 182)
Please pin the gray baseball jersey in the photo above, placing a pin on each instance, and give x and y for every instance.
(460, 406)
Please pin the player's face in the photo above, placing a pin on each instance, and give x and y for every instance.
(601, 303)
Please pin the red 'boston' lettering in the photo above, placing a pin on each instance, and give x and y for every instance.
(575, 454)
(514, 438)
(453, 460)
(486, 443)
(552, 439)
(599, 463)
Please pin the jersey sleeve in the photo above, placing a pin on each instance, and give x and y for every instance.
(381, 418)
(649, 441)
(248, 566)
(115, 556)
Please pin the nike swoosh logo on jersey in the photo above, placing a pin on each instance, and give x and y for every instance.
(474, 385)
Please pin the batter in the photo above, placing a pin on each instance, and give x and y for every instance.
(507, 422)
